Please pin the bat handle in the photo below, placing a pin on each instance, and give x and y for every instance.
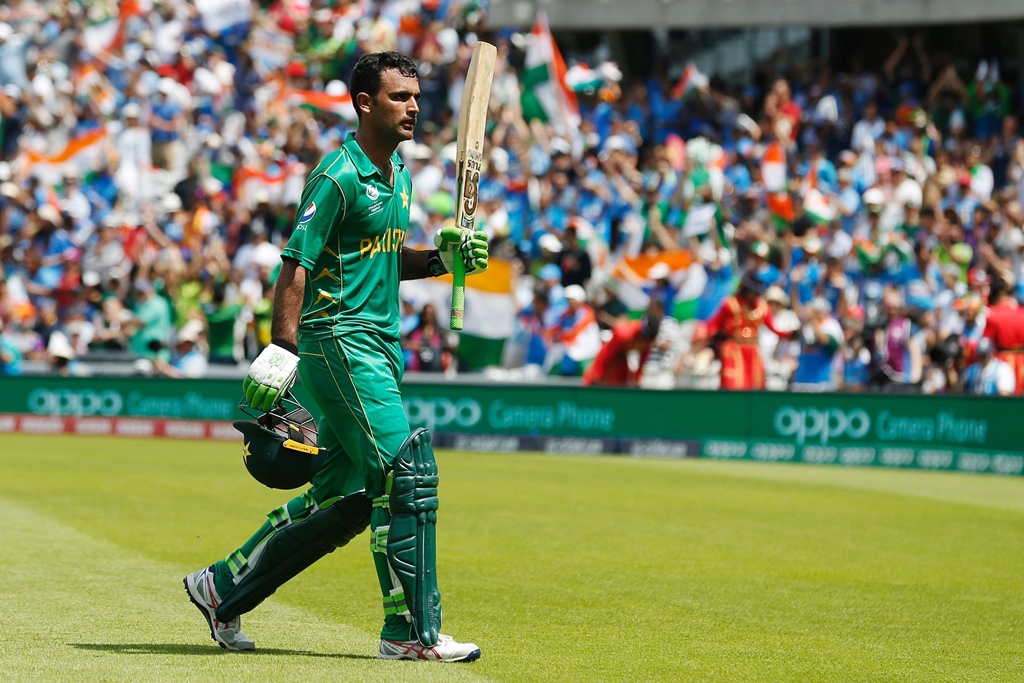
(458, 293)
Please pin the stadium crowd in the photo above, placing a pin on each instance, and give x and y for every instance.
(152, 155)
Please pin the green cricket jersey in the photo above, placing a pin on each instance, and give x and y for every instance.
(349, 238)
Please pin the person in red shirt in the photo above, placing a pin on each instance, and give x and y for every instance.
(736, 327)
(611, 366)
(780, 104)
(1004, 325)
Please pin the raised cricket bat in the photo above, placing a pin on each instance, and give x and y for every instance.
(470, 159)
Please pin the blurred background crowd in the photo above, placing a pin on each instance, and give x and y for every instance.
(806, 228)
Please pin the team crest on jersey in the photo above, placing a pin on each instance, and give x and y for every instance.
(310, 212)
(371, 192)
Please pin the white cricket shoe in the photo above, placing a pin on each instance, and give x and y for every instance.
(446, 650)
(203, 594)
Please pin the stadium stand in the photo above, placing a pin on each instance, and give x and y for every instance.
(152, 155)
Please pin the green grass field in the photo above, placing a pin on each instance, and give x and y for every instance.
(589, 569)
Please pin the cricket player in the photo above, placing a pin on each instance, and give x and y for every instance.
(336, 323)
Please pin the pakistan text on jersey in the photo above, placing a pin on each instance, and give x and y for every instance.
(391, 240)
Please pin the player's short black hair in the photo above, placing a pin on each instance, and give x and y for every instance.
(366, 76)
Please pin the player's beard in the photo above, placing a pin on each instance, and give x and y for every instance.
(391, 132)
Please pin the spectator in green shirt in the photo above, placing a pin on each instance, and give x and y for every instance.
(221, 325)
(153, 322)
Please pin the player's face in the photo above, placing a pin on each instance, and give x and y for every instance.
(396, 106)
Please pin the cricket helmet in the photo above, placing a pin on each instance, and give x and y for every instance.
(280, 448)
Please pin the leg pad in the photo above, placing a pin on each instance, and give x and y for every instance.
(292, 546)
(411, 543)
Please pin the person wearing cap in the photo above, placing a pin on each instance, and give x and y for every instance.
(188, 360)
(779, 354)
(881, 254)
(735, 330)
(51, 240)
(660, 287)
(549, 278)
(134, 145)
(982, 181)
(105, 251)
(151, 322)
(61, 355)
(575, 336)
(620, 360)
(806, 277)
(1004, 326)
(167, 124)
(14, 117)
(821, 337)
(765, 271)
(989, 375)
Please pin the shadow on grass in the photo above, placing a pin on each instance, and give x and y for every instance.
(192, 649)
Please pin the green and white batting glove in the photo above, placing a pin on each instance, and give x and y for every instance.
(270, 377)
(472, 247)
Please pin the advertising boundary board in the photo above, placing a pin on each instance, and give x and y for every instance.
(956, 433)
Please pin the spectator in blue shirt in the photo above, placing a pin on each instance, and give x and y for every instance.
(820, 339)
(167, 122)
(10, 357)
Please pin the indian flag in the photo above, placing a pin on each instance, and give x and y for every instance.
(76, 158)
(279, 187)
(545, 93)
(773, 168)
(818, 207)
(581, 78)
(108, 34)
(90, 84)
(490, 311)
(780, 206)
(691, 79)
(340, 104)
(583, 340)
(686, 275)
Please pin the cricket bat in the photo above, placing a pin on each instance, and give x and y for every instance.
(469, 160)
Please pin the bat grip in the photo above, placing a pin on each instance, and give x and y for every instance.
(458, 293)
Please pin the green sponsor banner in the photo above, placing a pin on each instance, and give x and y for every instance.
(122, 397)
(880, 455)
(935, 432)
(797, 419)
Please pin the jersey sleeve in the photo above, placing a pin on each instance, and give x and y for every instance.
(323, 205)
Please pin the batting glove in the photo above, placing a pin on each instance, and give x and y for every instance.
(470, 246)
(270, 377)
